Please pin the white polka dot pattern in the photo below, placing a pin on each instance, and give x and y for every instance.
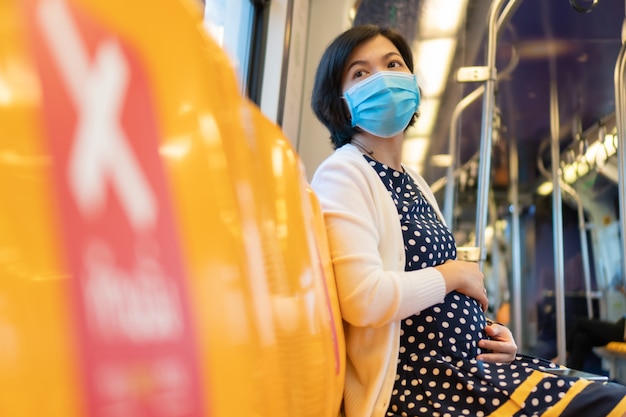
(438, 374)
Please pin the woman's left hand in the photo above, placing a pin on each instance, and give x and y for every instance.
(500, 345)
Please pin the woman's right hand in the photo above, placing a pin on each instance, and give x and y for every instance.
(466, 278)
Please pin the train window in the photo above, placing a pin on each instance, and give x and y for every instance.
(230, 23)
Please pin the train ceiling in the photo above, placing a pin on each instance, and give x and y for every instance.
(580, 40)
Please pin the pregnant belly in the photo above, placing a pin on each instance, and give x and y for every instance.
(452, 328)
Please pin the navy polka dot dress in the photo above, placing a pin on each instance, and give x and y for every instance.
(437, 373)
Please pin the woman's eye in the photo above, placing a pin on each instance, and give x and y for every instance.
(358, 74)
(394, 64)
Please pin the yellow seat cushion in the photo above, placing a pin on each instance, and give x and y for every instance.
(616, 347)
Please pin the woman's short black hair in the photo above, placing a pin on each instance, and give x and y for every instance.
(326, 100)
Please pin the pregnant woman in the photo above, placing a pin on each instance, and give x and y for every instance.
(418, 343)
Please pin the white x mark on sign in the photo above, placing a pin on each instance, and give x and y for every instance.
(101, 152)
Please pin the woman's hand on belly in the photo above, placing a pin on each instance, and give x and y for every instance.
(500, 345)
(466, 278)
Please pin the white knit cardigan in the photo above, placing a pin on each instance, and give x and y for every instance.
(375, 293)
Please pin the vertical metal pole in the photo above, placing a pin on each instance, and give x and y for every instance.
(448, 207)
(584, 248)
(495, 27)
(285, 67)
(484, 169)
(516, 267)
(584, 252)
(557, 218)
(620, 117)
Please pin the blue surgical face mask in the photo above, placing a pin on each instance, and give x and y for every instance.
(383, 103)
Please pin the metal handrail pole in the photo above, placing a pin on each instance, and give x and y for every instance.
(557, 217)
(620, 119)
(516, 263)
(452, 172)
(448, 205)
(484, 169)
(584, 247)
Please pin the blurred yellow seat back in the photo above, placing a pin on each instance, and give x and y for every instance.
(161, 253)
